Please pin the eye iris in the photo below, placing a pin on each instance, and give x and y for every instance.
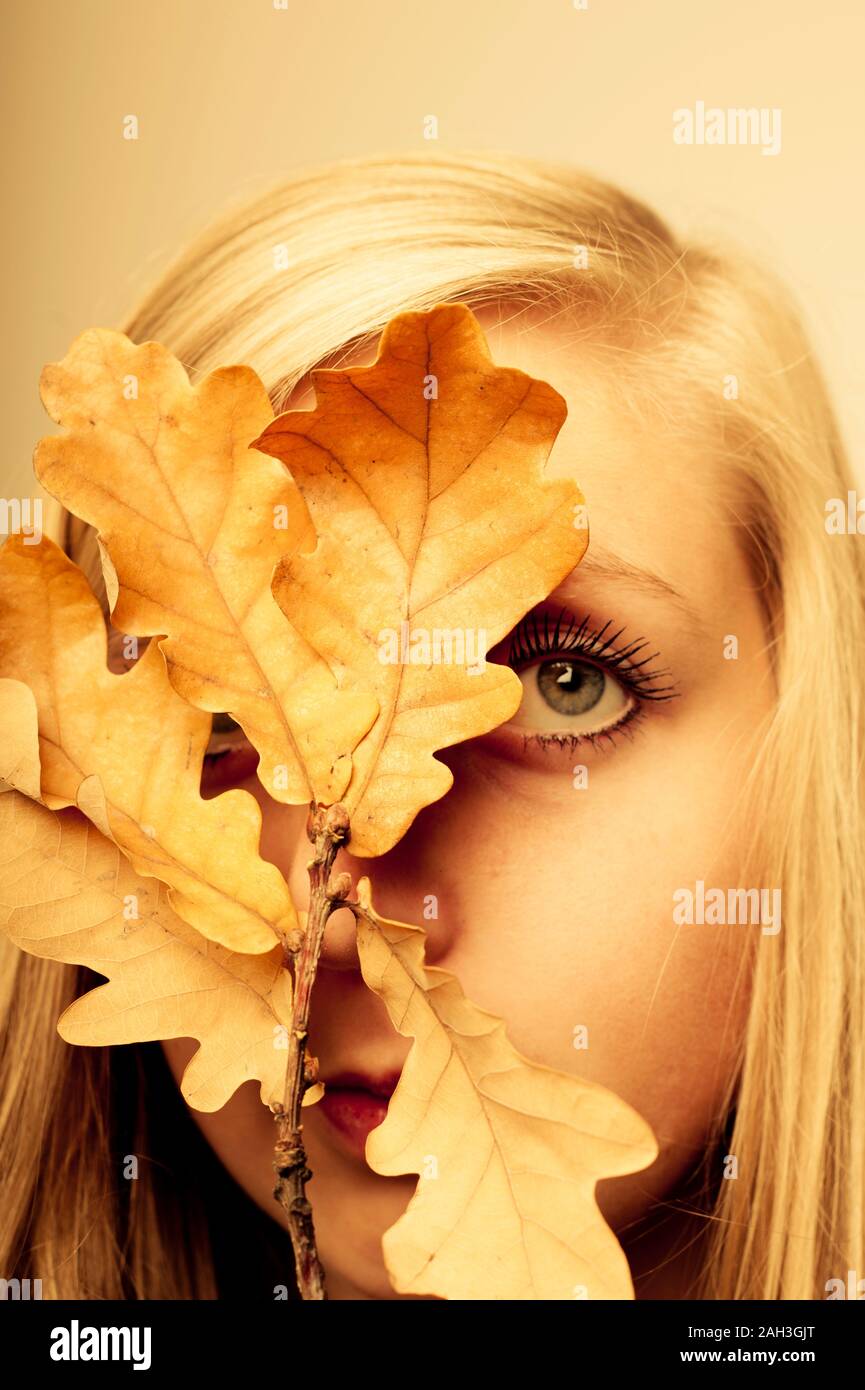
(570, 687)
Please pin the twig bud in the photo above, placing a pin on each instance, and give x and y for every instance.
(336, 822)
(339, 887)
(294, 940)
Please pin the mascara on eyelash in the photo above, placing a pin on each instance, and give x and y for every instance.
(531, 640)
(598, 739)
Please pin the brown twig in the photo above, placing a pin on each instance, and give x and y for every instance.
(327, 828)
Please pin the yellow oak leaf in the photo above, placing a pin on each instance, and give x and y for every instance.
(193, 522)
(68, 893)
(508, 1151)
(19, 752)
(144, 744)
(437, 531)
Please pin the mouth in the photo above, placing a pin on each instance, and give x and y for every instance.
(354, 1105)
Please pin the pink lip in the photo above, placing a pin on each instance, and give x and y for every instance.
(355, 1105)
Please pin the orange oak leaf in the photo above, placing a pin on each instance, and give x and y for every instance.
(68, 893)
(193, 522)
(509, 1151)
(437, 531)
(129, 746)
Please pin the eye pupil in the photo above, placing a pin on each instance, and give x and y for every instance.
(570, 687)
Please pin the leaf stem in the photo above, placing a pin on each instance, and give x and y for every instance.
(328, 829)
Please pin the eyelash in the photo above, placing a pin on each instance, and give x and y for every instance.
(534, 636)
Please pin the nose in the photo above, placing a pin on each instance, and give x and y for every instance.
(408, 885)
(339, 948)
(424, 881)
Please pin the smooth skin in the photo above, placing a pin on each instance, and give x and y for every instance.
(555, 902)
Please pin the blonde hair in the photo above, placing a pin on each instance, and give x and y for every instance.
(301, 277)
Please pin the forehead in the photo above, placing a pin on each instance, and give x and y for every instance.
(652, 486)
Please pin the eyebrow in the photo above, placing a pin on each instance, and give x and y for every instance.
(603, 564)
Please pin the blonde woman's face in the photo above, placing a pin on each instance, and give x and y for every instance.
(554, 888)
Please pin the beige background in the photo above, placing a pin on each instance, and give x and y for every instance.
(231, 93)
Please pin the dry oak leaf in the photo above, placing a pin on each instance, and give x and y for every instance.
(144, 744)
(194, 522)
(518, 1147)
(424, 478)
(68, 893)
(19, 751)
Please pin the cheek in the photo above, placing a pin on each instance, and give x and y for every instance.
(570, 898)
(612, 991)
